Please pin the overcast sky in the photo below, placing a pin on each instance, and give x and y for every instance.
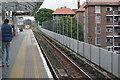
(54, 4)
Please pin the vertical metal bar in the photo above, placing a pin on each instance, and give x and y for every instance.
(71, 27)
(63, 26)
(57, 27)
(84, 28)
(0, 40)
(67, 30)
(52, 27)
(77, 29)
(113, 30)
(67, 26)
(3, 11)
(96, 32)
(63, 29)
(77, 35)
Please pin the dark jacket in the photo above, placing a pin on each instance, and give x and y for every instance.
(6, 32)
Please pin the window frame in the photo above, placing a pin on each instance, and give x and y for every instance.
(110, 40)
(97, 19)
(110, 19)
(98, 30)
(97, 9)
(96, 41)
(118, 8)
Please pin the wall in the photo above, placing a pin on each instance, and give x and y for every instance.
(101, 57)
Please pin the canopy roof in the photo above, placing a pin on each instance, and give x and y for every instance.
(22, 5)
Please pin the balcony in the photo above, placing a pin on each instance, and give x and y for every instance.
(111, 13)
(116, 36)
(111, 44)
(115, 26)
(111, 23)
(109, 20)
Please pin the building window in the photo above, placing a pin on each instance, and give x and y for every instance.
(97, 41)
(109, 48)
(109, 40)
(118, 19)
(97, 30)
(98, 19)
(109, 30)
(97, 9)
(109, 19)
(119, 8)
(109, 9)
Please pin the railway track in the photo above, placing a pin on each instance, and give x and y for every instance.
(63, 64)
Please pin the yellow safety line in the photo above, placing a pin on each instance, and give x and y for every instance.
(35, 62)
(18, 68)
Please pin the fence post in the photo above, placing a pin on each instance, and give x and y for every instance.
(71, 27)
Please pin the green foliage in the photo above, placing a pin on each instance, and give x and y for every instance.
(35, 28)
(43, 15)
(63, 26)
(66, 29)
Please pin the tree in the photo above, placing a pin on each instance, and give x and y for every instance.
(66, 23)
(63, 26)
(43, 15)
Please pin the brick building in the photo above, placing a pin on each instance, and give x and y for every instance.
(101, 21)
(63, 11)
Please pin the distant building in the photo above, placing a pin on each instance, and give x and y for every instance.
(99, 26)
(63, 11)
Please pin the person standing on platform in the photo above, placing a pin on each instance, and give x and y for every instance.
(6, 39)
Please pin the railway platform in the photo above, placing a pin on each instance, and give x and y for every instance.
(27, 60)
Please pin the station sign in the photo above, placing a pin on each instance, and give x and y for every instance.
(20, 13)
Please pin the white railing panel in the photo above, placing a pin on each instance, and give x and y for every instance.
(57, 37)
(68, 43)
(61, 38)
(105, 61)
(87, 51)
(95, 55)
(80, 49)
(71, 44)
(116, 65)
(75, 45)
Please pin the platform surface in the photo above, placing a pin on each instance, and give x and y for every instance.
(26, 60)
